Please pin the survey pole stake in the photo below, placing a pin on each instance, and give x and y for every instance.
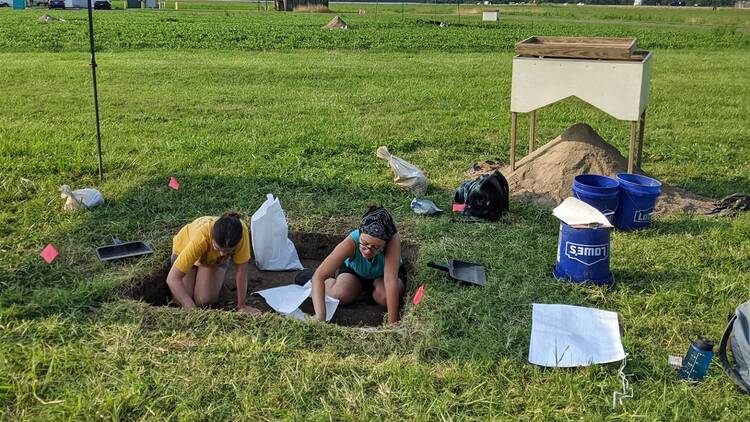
(96, 95)
(532, 131)
(640, 139)
(513, 125)
(631, 152)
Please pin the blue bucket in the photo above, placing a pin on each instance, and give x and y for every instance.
(601, 192)
(638, 195)
(583, 255)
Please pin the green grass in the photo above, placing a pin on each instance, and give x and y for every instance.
(658, 15)
(304, 123)
(169, 29)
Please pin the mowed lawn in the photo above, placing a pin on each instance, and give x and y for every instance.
(234, 124)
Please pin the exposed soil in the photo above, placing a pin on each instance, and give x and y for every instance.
(546, 175)
(312, 249)
(336, 23)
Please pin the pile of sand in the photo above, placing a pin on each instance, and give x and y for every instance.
(336, 23)
(546, 175)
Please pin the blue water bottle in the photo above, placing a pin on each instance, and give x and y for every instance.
(698, 358)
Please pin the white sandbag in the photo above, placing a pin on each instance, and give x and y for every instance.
(270, 234)
(80, 198)
(406, 174)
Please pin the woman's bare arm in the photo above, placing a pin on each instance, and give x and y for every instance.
(390, 277)
(174, 281)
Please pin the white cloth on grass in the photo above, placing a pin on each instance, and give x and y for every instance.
(287, 299)
(568, 336)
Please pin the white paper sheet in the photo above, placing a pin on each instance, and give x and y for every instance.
(567, 336)
(287, 299)
(577, 213)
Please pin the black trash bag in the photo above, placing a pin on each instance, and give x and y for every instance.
(486, 198)
(731, 205)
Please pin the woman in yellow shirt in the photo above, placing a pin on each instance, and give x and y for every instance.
(200, 258)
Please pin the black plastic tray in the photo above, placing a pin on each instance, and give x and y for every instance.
(120, 250)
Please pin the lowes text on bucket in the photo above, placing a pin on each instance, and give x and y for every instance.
(586, 254)
(643, 216)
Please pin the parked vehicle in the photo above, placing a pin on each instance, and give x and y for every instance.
(56, 4)
(103, 4)
(5, 3)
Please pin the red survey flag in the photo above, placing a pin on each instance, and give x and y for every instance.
(418, 295)
(459, 207)
(49, 253)
(173, 183)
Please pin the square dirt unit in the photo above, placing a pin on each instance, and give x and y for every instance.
(312, 249)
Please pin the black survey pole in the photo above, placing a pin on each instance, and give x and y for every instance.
(96, 95)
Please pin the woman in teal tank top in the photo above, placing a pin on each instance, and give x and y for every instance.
(369, 260)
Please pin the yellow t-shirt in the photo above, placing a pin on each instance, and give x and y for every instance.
(192, 245)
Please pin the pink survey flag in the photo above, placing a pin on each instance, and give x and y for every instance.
(173, 183)
(418, 295)
(49, 253)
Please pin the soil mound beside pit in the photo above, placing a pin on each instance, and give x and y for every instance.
(336, 23)
(546, 175)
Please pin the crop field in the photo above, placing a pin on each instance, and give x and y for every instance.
(249, 30)
(237, 103)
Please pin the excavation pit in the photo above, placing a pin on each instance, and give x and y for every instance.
(312, 249)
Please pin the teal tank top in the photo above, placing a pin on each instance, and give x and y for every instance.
(368, 269)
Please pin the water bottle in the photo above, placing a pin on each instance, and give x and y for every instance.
(696, 361)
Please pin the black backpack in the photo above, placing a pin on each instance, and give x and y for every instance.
(737, 335)
(486, 197)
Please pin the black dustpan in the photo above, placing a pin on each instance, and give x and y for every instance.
(468, 272)
(121, 250)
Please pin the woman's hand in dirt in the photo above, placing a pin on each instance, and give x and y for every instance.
(249, 310)
(312, 318)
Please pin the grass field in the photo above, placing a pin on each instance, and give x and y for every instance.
(387, 31)
(239, 104)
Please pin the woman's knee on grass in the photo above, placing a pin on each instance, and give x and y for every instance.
(203, 300)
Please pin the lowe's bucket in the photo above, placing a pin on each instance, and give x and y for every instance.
(638, 195)
(601, 192)
(583, 255)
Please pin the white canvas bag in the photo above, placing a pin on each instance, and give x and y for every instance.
(270, 234)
